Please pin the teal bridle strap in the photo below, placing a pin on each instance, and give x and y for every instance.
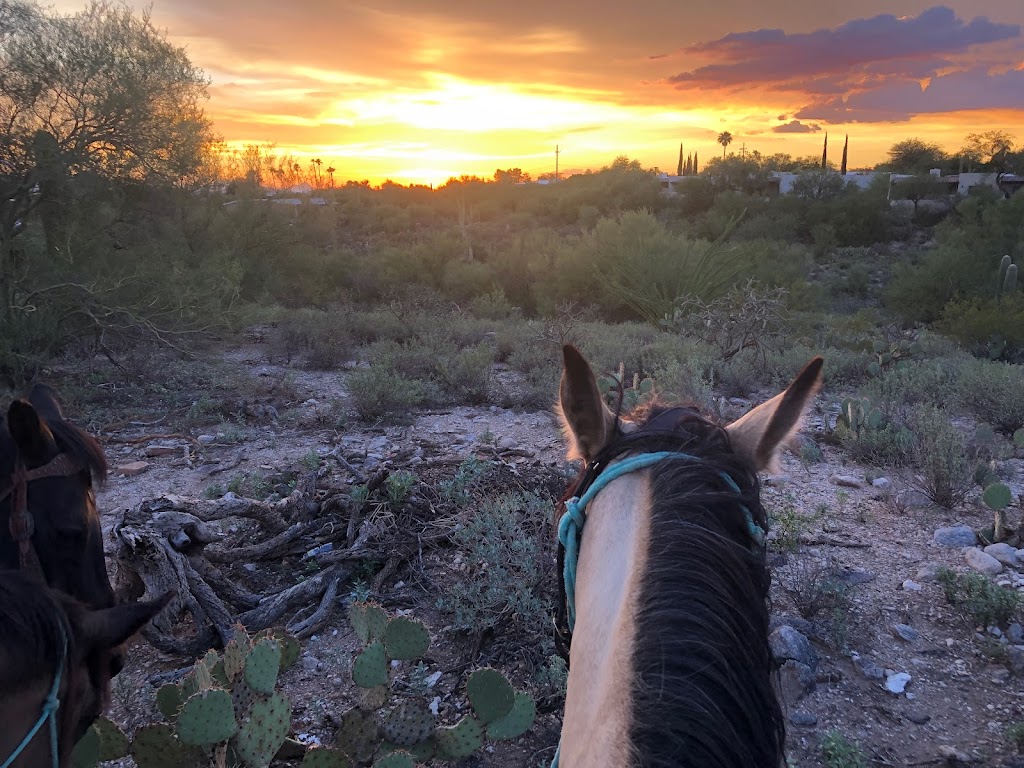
(570, 527)
(50, 706)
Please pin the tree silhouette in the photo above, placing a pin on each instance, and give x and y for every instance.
(824, 154)
(679, 168)
(846, 145)
(725, 139)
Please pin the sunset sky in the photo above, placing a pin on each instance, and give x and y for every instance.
(420, 90)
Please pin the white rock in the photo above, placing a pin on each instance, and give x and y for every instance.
(897, 682)
(912, 586)
(847, 481)
(1004, 553)
(982, 562)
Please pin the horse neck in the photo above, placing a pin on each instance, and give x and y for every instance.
(595, 730)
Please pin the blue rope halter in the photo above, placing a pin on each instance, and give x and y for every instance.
(50, 705)
(570, 527)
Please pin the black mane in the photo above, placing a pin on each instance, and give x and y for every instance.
(701, 693)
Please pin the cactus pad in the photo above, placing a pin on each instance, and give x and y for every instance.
(1018, 438)
(396, 760)
(259, 738)
(998, 496)
(290, 647)
(262, 665)
(406, 639)
(515, 723)
(322, 757)
(86, 753)
(374, 698)
(169, 700)
(460, 740)
(113, 742)
(155, 746)
(370, 668)
(490, 693)
(242, 698)
(357, 736)
(234, 658)
(409, 723)
(368, 621)
(421, 752)
(207, 718)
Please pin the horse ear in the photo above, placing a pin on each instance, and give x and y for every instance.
(759, 435)
(34, 440)
(586, 420)
(107, 628)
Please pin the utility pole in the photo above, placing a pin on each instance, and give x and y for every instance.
(556, 162)
(743, 150)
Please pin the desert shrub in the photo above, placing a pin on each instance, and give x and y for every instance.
(887, 446)
(841, 752)
(492, 306)
(979, 598)
(740, 376)
(825, 240)
(505, 566)
(818, 593)
(468, 373)
(463, 281)
(992, 392)
(765, 226)
(941, 455)
(677, 381)
(379, 392)
(989, 328)
(925, 382)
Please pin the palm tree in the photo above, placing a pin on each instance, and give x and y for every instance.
(330, 174)
(316, 163)
(725, 139)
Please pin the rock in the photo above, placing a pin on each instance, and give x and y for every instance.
(787, 643)
(310, 663)
(1015, 659)
(154, 451)
(917, 716)
(897, 682)
(1004, 553)
(913, 500)
(928, 572)
(854, 576)
(206, 439)
(868, 668)
(133, 468)
(1015, 633)
(847, 481)
(955, 536)
(882, 483)
(906, 632)
(777, 480)
(799, 624)
(912, 586)
(952, 756)
(431, 680)
(803, 718)
(982, 562)
(999, 675)
(796, 680)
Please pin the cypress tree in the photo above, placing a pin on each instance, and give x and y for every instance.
(846, 145)
(824, 154)
(695, 171)
(679, 168)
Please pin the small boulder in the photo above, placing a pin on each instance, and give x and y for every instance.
(786, 643)
(917, 716)
(847, 481)
(906, 632)
(155, 451)
(928, 572)
(1004, 553)
(955, 536)
(897, 682)
(1015, 633)
(912, 586)
(1015, 659)
(982, 562)
(868, 668)
(133, 468)
(882, 483)
(796, 680)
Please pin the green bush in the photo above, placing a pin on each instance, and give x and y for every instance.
(940, 453)
(991, 391)
(840, 752)
(379, 392)
(989, 328)
(979, 598)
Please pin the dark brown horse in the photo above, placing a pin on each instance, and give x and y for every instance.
(666, 593)
(55, 656)
(48, 518)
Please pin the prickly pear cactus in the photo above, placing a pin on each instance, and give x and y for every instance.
(516, 722)
(259, 738)
(113, 742)
(374, 698)
(396, 760)
(997, 496)
(234, 657)
(490, 694)
(322, 757)
(169, 700)
(358, 734)
(207, 718)
(156, 746)
(370, 668)
(262, 664)
(1018, 438)
(369, 621)
(421, 752)
(460, 740)
(406, 639)
(409, 723)
(86, 753)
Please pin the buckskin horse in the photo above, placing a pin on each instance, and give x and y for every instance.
(666, 597)
(47, 502)
(54, 667)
